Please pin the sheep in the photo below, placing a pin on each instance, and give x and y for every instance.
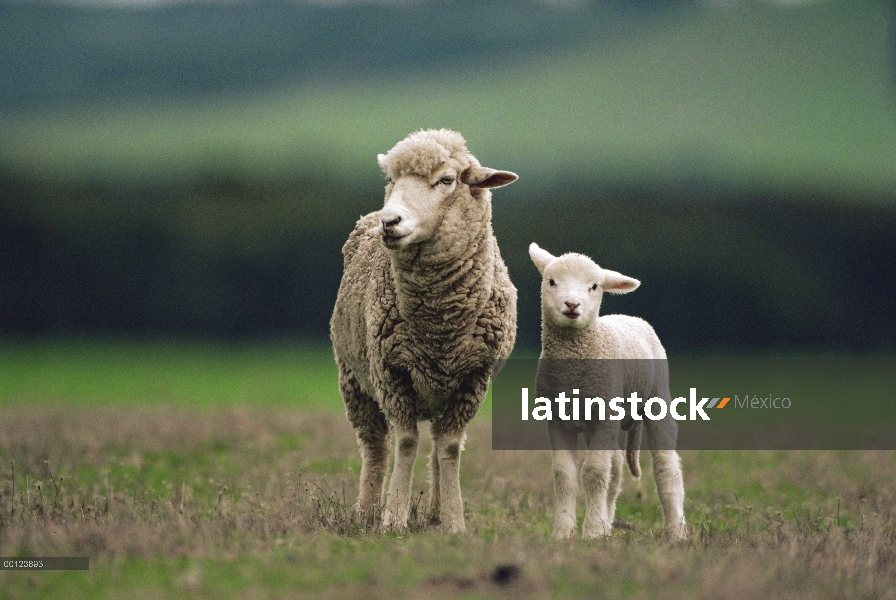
(424, 312)
(571, 292)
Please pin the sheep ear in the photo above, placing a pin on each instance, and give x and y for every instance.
(540, 257)
(617, 283)
(483, 177)
(381, 161)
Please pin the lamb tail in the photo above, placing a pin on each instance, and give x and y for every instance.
(633, 449)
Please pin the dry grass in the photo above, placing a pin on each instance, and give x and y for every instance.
(248, 503)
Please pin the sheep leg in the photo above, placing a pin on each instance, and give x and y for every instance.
(601, 474)
(372, 432)
(563, 458)
(615, 484)
(399, 404)
(596, 483)
(449, 433)
(374, 456)
(446, 496)
(667, 474)
(398, 503)
(434, 476)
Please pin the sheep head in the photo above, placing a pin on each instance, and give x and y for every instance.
(572, 287)
(428, 172)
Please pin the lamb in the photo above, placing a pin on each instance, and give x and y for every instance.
(425, 311)
(571, 293)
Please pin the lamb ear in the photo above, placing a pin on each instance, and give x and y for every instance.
(540, 257)
(483, 177)
(617, 283)
(381, 161)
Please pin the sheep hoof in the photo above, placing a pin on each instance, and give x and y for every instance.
(596, 534)
(392, 524)
(393, 528)
(622, 524)
(563, 533)
(457, 528)
(677, 533)
(367, 519)
(597, 529)
(367, 515)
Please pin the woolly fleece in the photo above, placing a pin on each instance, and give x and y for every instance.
(417, 329)
(572, 290)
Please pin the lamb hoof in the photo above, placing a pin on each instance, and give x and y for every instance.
(677, 533)
(601, 529)
(563, 533)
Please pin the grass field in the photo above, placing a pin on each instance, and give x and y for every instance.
(119, 373)
(174, 495)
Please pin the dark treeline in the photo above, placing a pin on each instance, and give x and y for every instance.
(221, 258)
(726, 270)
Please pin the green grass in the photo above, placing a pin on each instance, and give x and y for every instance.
(185, 504)
(83, 372)
(751, 94)
(174, 492)
(122, 373)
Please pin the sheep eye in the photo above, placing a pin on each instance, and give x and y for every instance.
(446, 180)
(593, 287)
(551, 282)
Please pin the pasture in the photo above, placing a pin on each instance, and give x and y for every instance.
(185, 470)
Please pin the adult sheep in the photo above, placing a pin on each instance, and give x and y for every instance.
(424, 311)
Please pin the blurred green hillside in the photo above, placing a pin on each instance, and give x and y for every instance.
(749, 94)
(740, 159)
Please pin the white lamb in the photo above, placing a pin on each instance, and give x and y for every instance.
(424, 311)
(571, 292)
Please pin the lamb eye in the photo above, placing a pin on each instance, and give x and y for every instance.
(551, 282)
(594, 287)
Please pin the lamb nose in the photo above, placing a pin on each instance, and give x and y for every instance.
(572, 305)
(392, 223)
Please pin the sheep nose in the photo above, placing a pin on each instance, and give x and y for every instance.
(390, 222)
(572, 305)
